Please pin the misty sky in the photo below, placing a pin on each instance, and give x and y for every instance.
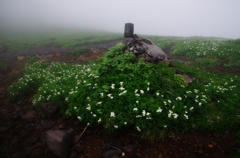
(218, 18)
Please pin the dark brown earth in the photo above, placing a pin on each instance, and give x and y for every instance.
(21, 137)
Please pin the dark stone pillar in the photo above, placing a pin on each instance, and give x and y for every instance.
(129, 30)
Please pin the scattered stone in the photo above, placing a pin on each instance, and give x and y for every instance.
(3, 129)
(106, 147)
(76, 139)
(37, 153)
(29, 115)
(63, 125)
(60, 141)
(130, 149)
(111, 154)
(20, 57)
(57, 54)
(49, 109)
(46, 125)
(210, 146)
(24, 133)
(26, 151)
(200, 151)
(79, 149)
(117, 145)
(17, 155)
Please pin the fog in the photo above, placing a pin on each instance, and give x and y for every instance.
(210, 18)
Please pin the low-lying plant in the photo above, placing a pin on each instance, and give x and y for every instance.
(120, 91)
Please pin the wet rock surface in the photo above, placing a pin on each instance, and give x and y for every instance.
(23, 130)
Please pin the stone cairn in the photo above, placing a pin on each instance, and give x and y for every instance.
(143, 48)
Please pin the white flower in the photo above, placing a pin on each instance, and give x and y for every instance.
(143, 112)
(99, 120)
(159, 110)
(148, 113)
(138, 128)
(157, 94)
(148, 83)
(186, 116)
(175, 115)
(164, 102)
(113, 86)
(135, 109)
(101, 94)
(125, 123)
(121, 83)
(165, 126)
(137, 95)
(115, 126)
(75, 107)
(169, 101)
(94, 115)
(136, 91)
(179, 98)
(88, 108)
(199, 103)
(121, 88)
(191, 108)
(142, 91)
(148, 89)
(99, 102)
(112, 114)
(137, 101)
(79, 117)
(138, 116)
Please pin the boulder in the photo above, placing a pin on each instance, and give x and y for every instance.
(60, 141)
(144, 48)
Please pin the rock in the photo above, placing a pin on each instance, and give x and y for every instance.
(79, 149)
(49, 109)
(111, 153)
(37, 153)
(57, 54)
(130, 149)
(145, 48)
(117, 145)
(60, 141)
(29, 115)
(26, 151)
(46, 125)
(76, 139)
(20, 57)
(210, 146)
(106, 147)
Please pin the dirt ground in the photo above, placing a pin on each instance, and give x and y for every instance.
(21, 137)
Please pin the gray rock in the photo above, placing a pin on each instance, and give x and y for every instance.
(29, 115)
(130, 149)
(46, 125)
(111, 153)
(49, 109)
(37, 153)
(60, 141)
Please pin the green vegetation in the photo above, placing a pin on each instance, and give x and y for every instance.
(203, 52)
(120, 91)
(24, 41)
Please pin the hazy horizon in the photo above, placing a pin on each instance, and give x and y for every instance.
(215, 18)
